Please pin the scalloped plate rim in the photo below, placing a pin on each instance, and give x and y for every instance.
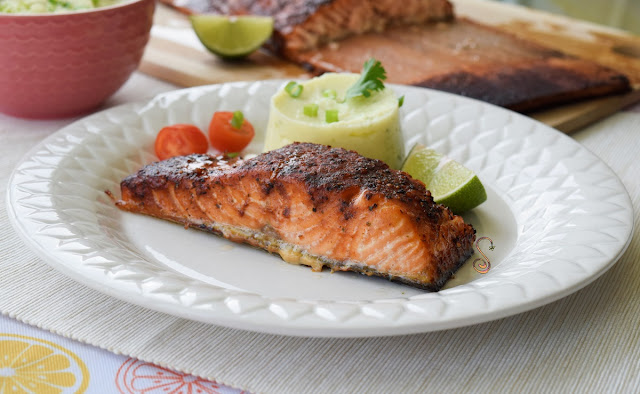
(330, 329)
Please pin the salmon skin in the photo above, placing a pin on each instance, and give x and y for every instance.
(313, 205)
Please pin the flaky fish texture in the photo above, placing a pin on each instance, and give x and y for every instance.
(313, 205)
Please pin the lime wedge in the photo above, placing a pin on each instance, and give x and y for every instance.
(232, 36)
(450, 183)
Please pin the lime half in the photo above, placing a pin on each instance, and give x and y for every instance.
(232, 36)
(450, 183)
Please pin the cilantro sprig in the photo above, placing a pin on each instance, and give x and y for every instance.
(371, 80)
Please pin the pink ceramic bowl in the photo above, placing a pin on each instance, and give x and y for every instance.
(59, 65)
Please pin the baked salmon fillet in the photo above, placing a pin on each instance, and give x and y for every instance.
(301, 25)
(313, 205)
(423, 43)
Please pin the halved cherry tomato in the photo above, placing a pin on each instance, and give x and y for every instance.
(179, 140)
(226, 138)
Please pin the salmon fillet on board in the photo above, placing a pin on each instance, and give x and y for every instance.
(422, 43)
(473, 60)
(301, 25)
(313, 205)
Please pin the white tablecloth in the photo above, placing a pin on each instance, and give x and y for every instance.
(587, 342)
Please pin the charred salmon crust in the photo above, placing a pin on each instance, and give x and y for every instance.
(313, 205)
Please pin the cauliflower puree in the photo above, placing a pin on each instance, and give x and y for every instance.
(368, 125)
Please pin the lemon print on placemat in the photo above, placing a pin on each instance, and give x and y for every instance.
(136, 376)
(33, 365)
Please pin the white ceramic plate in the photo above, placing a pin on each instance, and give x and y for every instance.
(558, 218)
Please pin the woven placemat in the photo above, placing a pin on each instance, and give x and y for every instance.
(586, 342)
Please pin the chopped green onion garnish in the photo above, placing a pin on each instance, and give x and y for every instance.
(400, 101)
(311, 110)
(330, 93)
(294, 89)
(331, 115)
(237, 120)
(231, 155)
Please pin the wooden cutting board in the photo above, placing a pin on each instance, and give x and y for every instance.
(174, 54)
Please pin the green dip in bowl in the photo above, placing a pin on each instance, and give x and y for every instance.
(51, 6)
